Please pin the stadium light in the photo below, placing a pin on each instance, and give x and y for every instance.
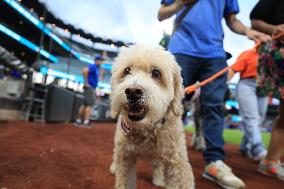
(19, 8)
(27, 43)
(76, 78)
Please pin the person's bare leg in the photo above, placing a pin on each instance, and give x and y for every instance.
(81, 112)
(87, 112)
(87, 115)
(276, 146)
(80, 116)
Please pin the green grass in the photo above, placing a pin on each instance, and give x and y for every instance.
(234, 136)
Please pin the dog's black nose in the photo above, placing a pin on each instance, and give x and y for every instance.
(133, 94)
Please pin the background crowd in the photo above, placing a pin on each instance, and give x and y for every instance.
(197, 43)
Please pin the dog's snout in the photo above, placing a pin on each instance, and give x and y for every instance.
(134, 93)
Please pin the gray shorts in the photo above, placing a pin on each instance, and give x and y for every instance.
(89, 94)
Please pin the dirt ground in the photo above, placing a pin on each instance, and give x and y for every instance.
(62, 156)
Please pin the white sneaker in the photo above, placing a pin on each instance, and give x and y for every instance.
(87, 124)
(220, 173)
(275, 169)
(260, 156)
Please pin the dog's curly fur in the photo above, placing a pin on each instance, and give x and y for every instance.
(157, 133)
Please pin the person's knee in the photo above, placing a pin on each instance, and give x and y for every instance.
(213, 99)
(81, 109)
(251, 118)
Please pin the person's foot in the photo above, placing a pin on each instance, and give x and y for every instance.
(259, 156)
(256, 154)
(78, 122)
(87, 124)
(272, 168)
(220, 173)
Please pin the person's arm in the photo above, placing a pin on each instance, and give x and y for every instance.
(262, 14)
(263, 26)
(85, 72)
(231, 74)
(238, 27)
(166, 11)
(238, 66)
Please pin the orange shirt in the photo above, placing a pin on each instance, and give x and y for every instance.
(246, 64)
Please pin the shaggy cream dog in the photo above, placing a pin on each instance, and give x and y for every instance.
(146, 96)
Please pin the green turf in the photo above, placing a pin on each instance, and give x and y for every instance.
(234, 136)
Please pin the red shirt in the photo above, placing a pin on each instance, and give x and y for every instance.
(246, 64)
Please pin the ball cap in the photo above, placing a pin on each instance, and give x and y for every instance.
(99, 57)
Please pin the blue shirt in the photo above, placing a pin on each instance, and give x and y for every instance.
(200, 33)
(93, 75)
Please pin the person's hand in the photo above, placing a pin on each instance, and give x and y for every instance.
(188, 1)
(278, 29)
(257, 36)
(86, 85)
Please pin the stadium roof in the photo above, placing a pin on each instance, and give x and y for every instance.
(50, 18)
(21, 24)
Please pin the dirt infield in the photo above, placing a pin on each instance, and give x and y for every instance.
(61, 156)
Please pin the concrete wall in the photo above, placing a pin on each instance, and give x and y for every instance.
(11, 92)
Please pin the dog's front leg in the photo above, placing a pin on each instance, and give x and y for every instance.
(125, 173)
(158, 173)
(178, 175)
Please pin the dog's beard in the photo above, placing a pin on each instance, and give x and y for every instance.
(142, 116)
(136, 112)
(150, 109)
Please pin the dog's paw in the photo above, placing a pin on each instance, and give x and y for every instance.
(159, 182)
(112, 169)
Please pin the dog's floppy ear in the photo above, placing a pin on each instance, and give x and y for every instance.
(114, 111)
(176, 104)
(114, 81)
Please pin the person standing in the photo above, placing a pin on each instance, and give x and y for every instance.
(268, 17)
(91, 77)
(252, 108)
(197, 44)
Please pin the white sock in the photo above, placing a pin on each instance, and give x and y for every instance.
(86, 121)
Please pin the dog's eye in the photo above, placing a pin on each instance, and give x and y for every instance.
(156, 74)
(127, 71)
